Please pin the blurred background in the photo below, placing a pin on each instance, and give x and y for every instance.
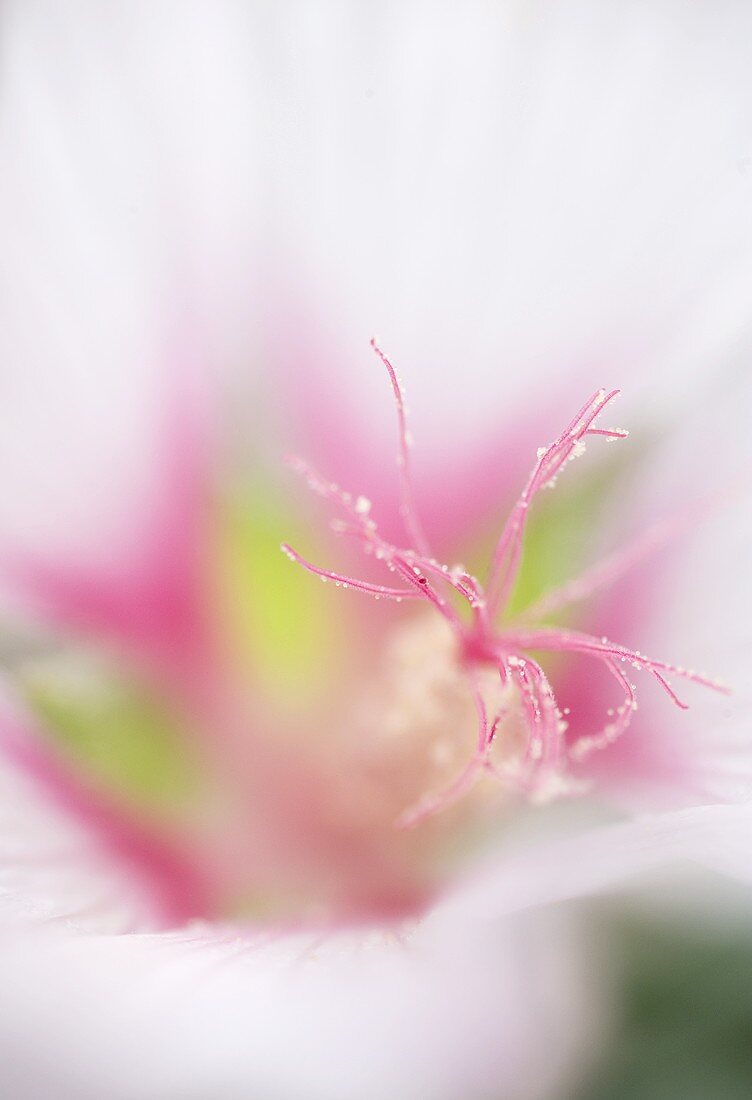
(521, 199)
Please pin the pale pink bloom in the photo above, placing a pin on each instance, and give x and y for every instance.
(412, 983)
(526, 196)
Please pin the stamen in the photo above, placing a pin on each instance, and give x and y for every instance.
(609, 433)
(435, 804)
(540, 710)
(609, 654)
(554, 639)
(413, 525)
(613, 730)
(507, 556)
(540, 771)
(669, 690)
(377, 590)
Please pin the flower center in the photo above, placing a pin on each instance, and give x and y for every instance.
(421, 716)
(359, 802)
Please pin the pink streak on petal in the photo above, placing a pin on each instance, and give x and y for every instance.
(146, 595)
(163, 870)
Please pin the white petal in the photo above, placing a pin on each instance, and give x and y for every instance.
(443, 1017)
(52, 868)
(527, 873)
(505, 193)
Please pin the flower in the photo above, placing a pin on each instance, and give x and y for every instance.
(522, 192)
(308, 851)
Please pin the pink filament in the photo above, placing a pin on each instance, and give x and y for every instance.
(506, 559)
(480, 644)
(575, 641)
(413, 525)
(377, 590)
(541, 712)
